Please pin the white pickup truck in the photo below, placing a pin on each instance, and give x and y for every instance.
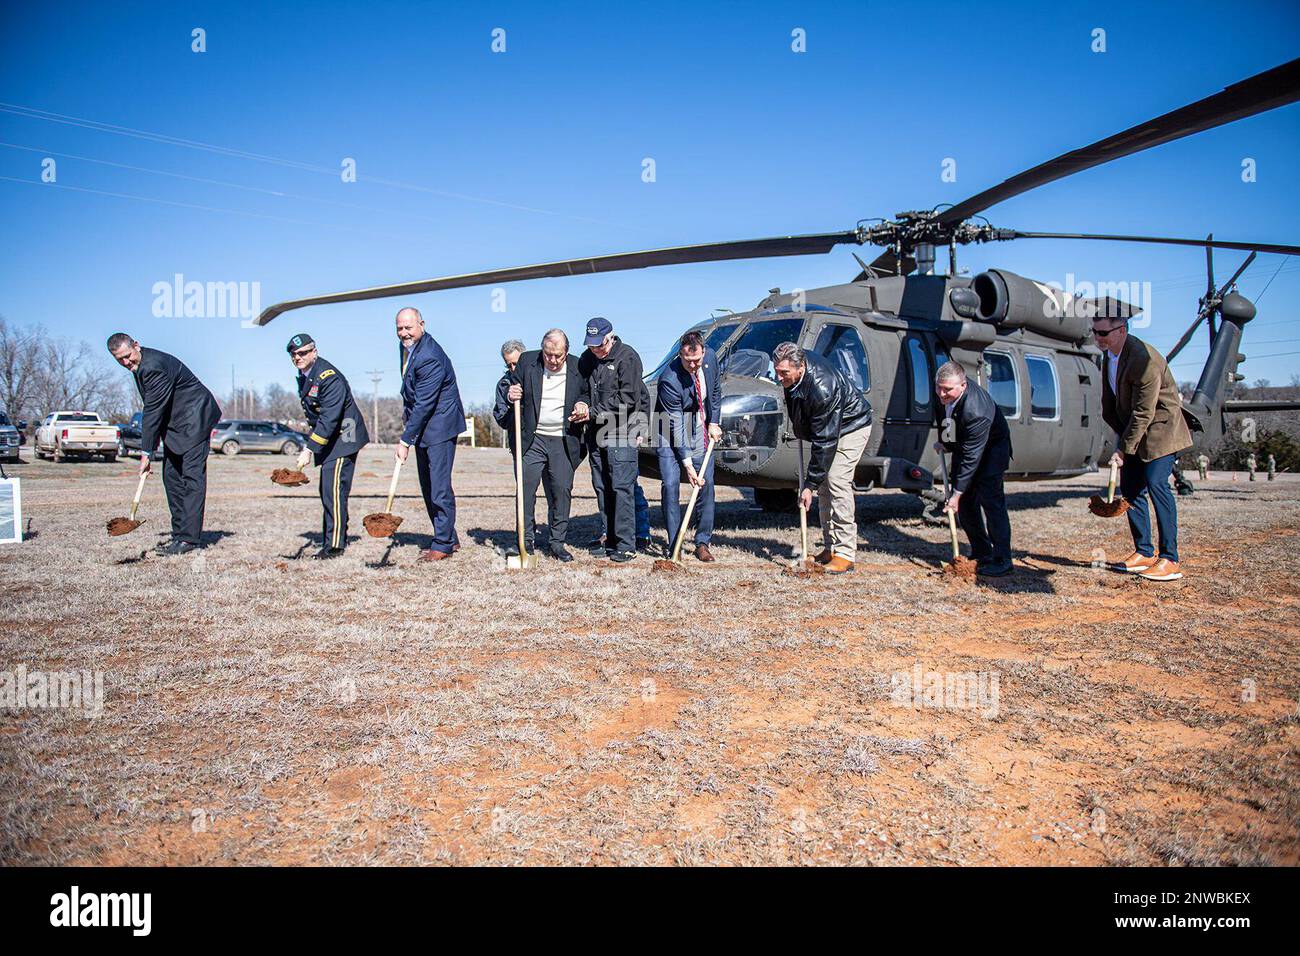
(64, 434)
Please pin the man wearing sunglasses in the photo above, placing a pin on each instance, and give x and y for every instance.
(338, 432)
(1140, 401)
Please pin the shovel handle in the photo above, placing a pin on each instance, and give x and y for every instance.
(139, 489)
(519, 482)
(803, 515)
(690, 505)
(392, 485)
(1110, 490)
(952, 530)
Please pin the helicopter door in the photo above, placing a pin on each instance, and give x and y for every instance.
(1046, 432)
(913, 432)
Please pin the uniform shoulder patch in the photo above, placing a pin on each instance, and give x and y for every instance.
(326, 374)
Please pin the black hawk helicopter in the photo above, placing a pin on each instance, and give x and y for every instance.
(1029, 343)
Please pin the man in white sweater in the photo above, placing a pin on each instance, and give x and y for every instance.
(554, 405)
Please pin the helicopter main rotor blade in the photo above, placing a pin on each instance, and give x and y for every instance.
(1264, 91)
(1210, 296)
(808, 245)
(1163, 240)
(1187, 336)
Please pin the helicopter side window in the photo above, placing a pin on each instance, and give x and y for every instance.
(843, 346)
(1000, 380)
(1043, 404)
(920, 376)
(752, 353)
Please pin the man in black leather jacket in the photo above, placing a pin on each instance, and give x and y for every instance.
(827, 411)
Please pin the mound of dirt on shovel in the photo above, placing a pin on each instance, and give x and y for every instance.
(962, 568)
(118, 526)
(1107, 509)
(381, 525)
(284, 476)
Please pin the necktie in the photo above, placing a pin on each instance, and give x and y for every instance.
(699, 397)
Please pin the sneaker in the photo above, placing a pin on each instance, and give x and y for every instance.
(1137, 563)
(324, 554)
(177, 547)
(1162, 570)
(622, 556)
(643, 545)
(597, 547)
(993, 569)
(838, 565)
(560, 553)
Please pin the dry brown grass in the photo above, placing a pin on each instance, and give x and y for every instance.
(263, 708)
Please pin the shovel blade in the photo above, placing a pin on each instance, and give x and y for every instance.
(516, 562)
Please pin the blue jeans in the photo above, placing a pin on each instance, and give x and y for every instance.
(1137, 480)
(614, 479)
(671, 472)
(642, 514)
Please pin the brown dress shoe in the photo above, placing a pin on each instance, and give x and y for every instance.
(431, 555)
(838, 565)
(1136, 563)
(824, 557)
(703, 553)
(1162, 570)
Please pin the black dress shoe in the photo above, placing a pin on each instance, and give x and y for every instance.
(597, 547)
(643, 545)
(560, 553)
(622, 556)
(324, 554)
(178, 547)
(993, 569)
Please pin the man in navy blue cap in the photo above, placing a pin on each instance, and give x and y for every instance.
(619, 418)
(338, 433)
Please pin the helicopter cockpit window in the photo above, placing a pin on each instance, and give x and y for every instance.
(1000, 380)
(751, 354)
(1043, 403)
(843, 346)
(714, 339)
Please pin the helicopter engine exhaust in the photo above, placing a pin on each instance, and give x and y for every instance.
(1010, 301)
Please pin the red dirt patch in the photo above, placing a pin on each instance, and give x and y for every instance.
(120, 526)
(960, 567)
(381, 524)
(288, 478)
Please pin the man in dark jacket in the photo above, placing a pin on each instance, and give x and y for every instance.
(338, 433)
(619, 420)
(502, 410)
(688, 407)
(975, 431)
(433, 417)
(180, 412)
(553, 413)
(829, 412)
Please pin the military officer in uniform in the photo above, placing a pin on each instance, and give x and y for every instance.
(338, 432)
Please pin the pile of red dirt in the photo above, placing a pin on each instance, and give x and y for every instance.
(1107, 509)
(805, 569)
(117, 526)
(381, 524)
(283, 476)
(960, 568)
(663, 564)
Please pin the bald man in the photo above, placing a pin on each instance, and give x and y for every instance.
(433, 417)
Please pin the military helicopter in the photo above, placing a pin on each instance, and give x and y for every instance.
(890, 327)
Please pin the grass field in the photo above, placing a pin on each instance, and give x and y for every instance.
(263, 708)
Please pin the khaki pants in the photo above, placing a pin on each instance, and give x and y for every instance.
(836, 503)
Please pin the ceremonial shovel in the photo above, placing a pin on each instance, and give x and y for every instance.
(523, 559)
(674, 557)
(120, 526)
(383, 524)
(1110, 506)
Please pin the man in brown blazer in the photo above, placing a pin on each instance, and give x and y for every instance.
(1140, 401)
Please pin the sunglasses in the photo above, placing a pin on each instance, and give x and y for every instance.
(303, 353)
(1102, 333)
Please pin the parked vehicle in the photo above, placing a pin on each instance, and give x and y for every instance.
(128, 437)
(82, 434)
(232, 436)
(11, 439)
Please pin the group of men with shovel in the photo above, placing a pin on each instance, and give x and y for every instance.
(564, 408)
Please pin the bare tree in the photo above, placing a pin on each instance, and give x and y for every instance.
(19, 357)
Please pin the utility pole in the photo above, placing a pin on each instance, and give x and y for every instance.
(376, 376)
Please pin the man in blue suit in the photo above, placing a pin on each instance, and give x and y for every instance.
(433, 416)
(689, 409)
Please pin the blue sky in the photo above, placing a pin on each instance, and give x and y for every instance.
(497, 159)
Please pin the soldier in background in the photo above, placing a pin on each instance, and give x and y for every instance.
(1251, 465)
(1272, 467)
(1202, 465)
(338, 433)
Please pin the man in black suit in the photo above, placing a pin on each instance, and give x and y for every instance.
(975, 431)
(554, 400)
(180, 412)
(338, 433)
